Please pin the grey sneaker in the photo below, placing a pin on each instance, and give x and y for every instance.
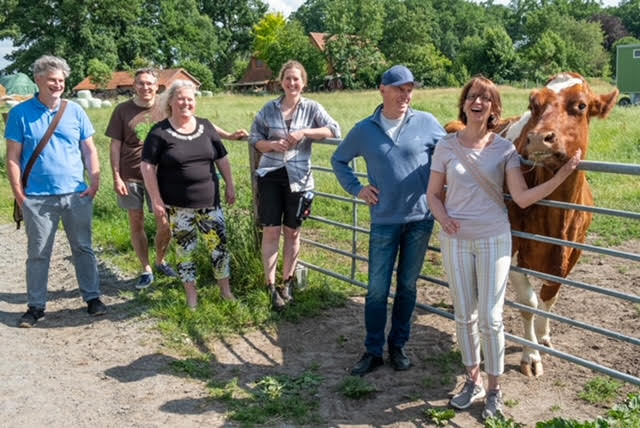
(470, 393)
(493, 405)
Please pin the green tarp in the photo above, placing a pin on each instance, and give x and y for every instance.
(19, 84)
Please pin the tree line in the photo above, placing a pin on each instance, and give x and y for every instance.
(443, 42)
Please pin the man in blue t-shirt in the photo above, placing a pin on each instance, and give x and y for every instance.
(55, 189)
(396, 142)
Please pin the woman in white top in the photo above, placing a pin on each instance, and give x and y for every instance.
(476, 237)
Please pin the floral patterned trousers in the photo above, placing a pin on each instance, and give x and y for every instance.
(187, 224)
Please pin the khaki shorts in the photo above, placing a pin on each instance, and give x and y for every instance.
(134, 201)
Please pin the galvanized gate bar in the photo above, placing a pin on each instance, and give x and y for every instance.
(338, 224)
(340, 198)
(586, 208)
(598, 166)
(325, 169)
(553, 278)
(334, 250)
(592, 248)
(575, 323)
(571, 358)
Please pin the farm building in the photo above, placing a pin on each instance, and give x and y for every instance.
(628, 73)
(122, 81)
(259, 77)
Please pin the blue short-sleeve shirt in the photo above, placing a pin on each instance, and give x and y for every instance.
(59, 169)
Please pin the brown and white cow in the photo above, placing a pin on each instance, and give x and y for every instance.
(554, 128)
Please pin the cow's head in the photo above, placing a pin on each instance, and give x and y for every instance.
(560, 115)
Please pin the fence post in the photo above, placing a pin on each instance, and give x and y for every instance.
(254, 159)
(354, 234)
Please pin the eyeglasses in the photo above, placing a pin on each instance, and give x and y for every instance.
(473, 97)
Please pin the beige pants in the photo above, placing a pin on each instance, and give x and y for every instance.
(477, 271)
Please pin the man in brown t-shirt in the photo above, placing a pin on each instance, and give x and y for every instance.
(129, 125)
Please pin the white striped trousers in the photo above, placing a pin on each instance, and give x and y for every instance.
(477, 271)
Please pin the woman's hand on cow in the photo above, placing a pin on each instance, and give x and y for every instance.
(369, 194)
(571, 164)
(450, 226)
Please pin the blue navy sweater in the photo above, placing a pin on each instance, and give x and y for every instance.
(399, 170)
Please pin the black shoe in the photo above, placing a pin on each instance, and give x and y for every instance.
(367, 363)
(276, 300)
(399, 359)
(96, 307)
(31, 317)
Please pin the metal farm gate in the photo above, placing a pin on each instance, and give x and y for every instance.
(355, 229)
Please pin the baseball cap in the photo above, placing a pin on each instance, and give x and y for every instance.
(397, 75)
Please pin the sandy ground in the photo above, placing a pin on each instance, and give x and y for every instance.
(113, 371)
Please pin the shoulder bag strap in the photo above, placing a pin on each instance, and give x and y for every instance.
(480, 178)
(45, 139)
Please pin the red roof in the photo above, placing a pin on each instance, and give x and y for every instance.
(319, 39)
(124, 79)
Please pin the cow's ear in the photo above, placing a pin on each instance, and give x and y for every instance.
(604, 104)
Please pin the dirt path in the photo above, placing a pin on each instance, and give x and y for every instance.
(113, 371)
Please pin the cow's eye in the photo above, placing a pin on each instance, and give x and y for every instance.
(582, 106)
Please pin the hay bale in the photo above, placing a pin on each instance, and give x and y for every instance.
(207, 93)
(83, 102)
(95, 103)
(198, 93)
(106, 103)
(84, 94)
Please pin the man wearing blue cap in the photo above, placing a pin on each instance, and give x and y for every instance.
(396, 142)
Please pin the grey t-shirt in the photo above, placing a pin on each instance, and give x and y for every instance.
(466, 201)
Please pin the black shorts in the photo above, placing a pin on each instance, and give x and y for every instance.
(277, 204)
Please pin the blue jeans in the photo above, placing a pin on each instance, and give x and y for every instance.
(385, 241)
(41, 217)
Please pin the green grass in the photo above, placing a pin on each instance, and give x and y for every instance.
(356, 387)
(600, 390)
(271, 399)
(440, 417)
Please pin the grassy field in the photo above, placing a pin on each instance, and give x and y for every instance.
(616, 139)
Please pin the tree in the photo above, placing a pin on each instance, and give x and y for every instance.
(407, 40)
(99, 72)
(165, 32)
(233, 22)
(200, 72)
(313, 15)
(546, 57)
(583, 40)
(277, 41)
(612, 27)
(491, 54)
(629, 12)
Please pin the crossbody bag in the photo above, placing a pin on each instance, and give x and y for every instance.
(480, 178)
(17, 210)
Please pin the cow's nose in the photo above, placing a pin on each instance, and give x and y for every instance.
(541, 139)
